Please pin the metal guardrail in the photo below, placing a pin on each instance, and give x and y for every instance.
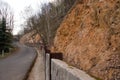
(55, 70)
(47, 56)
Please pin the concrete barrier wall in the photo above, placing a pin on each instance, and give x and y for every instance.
(62, 71)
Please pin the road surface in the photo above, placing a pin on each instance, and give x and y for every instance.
(16, 66)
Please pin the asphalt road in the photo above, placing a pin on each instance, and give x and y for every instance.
(16, 66)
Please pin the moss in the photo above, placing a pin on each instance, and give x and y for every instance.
(98, 79)
(95, 77)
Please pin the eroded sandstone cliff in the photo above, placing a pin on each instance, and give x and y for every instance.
(89, 38)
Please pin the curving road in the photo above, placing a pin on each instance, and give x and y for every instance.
(16, 66)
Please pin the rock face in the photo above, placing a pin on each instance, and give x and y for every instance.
(89, 38)
(30, 38)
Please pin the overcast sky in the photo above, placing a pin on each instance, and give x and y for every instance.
(19, 6)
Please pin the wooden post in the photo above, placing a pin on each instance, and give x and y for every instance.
(2, 53)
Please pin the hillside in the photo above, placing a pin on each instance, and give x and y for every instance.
(30, 38)
(89, 38)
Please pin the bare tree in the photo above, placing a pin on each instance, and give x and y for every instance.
(7, 13)
(47, 21)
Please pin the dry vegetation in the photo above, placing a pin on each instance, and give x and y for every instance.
(47, 21)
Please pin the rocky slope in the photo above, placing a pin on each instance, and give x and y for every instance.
(30, 38)
(89, 38)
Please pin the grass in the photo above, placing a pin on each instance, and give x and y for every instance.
(96, 78)
(70, 67)
(15, 49)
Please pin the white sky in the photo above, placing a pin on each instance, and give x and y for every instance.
(19, 7)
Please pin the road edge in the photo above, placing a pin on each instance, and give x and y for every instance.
(32, 65)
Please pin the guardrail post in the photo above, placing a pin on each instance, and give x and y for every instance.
(47, 66)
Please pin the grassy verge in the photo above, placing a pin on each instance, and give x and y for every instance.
(15, 49)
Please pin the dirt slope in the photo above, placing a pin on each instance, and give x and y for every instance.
(30, 38)
(89, 38)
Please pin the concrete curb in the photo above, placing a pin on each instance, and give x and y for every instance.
(38, 70)
(32, 64)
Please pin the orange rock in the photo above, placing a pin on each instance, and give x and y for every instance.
(89, 38)
(30, 38)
